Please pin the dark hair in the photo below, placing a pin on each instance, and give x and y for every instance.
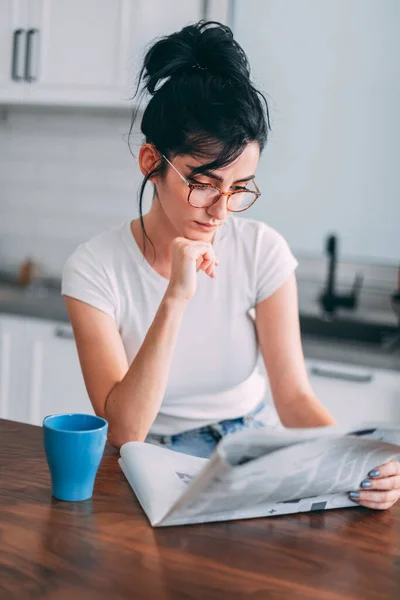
(203, 101)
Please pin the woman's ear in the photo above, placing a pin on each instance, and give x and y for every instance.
(148, 159)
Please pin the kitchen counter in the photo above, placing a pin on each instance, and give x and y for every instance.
(350, 352)
(39, 302)
(47, 303)
(105, 548)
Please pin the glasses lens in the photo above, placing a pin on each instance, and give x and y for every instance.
(241, 201)
(203, 196)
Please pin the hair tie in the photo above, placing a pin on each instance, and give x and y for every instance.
(198, 66)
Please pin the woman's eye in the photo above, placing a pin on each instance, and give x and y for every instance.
(204, 183)
(234, 188)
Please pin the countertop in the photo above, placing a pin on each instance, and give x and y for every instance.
(47, 303)
(105, 548)
(352, 353)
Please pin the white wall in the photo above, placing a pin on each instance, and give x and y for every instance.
(65, 175)
(331, 71)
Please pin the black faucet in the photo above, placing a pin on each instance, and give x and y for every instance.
(329, 300)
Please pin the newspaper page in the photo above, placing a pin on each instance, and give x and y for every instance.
(158, 476)
(257, 473)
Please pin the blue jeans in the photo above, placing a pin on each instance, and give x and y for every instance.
(203, 440)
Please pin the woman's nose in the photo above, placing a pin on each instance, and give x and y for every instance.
(219, 209)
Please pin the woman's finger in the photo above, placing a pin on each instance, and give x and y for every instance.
(210, 271)
(206, 262)
(202, 263)
(386, 470)
(377, 496)
(204, 266)
(385, 483)
(207, 256)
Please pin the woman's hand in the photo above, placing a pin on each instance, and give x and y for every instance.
(381, 488)
(187, 257)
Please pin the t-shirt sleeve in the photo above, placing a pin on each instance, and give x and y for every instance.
(274, 262)
(84, 278)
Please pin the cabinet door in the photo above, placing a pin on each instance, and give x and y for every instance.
(55, 379)
(78, 50)
(13, 28)
(14, 369)
(354, 394)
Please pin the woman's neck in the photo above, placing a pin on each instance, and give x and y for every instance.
(161, 233)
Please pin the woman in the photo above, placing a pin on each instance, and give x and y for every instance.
(169, 311)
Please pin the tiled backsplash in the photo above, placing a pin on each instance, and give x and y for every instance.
(65, 175)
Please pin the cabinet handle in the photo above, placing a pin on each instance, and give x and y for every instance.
(65, 334)
(355, 377)
(28, 56)
(15, 55)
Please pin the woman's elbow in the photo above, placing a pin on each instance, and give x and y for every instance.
(118, 437)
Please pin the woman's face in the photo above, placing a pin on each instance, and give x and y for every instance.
(172, 192)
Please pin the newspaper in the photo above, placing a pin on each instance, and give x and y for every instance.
(258, 473)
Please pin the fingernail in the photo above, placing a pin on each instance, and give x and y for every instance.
(366, 483)
(354, 495)
(374, 473)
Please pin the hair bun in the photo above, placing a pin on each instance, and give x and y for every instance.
(204, 47)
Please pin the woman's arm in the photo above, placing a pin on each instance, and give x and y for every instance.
(278, 329)
(128, 397)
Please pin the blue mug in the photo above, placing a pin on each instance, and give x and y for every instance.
(74, 445)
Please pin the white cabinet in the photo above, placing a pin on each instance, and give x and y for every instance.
(13, 25)
(39, 370)
(83, 52)
(78, 50)
(55, 381)
(13, 369)
(354, 394)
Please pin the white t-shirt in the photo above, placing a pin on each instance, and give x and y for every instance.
(214, 373)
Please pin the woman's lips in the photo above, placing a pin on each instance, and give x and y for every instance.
(206, 225)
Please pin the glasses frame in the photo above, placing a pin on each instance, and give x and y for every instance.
(193, 186)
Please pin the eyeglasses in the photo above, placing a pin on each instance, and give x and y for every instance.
(204, 195)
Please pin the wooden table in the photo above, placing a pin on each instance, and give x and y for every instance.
(105, 548)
